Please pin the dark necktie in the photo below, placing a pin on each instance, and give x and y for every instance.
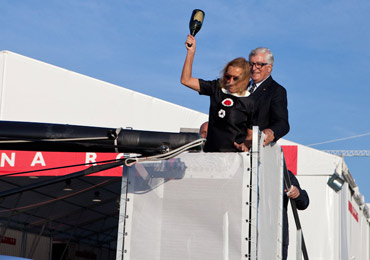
(251, 90)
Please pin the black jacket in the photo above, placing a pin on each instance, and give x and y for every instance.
(301, 202)
(271, 108)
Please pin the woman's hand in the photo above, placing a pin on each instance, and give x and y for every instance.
(247, 143)
(187, 70)
(190, 43)
(244, 146)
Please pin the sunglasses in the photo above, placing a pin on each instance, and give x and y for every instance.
(228, 77)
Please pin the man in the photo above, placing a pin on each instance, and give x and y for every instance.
(270, 98)
(203, 130)
(271, 116)
(301, 200)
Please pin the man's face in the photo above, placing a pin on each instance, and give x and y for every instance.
(233, 79)
(204, 130)
(259, 74)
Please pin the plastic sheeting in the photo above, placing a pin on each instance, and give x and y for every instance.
(191, 207)
(202, 206)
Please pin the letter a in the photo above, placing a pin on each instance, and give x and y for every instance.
(38, 159)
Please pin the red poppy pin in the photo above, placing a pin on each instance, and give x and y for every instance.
(227, 102)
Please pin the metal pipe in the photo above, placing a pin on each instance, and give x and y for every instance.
(72, 138)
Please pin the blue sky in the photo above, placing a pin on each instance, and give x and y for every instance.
(320, 47)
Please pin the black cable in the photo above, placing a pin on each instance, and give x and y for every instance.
(86, 144)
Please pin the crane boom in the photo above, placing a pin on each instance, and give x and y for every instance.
(348, 153)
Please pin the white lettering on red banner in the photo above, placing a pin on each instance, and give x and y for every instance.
(21, 161)
(91, 158)
(38, 159)
(5, 157)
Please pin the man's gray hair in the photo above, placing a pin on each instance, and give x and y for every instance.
(269, 55)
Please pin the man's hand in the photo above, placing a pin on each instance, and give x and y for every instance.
(269, 136)
(293, 192)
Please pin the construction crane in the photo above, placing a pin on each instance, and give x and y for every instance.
(349, 153)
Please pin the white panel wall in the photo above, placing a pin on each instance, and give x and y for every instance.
(270, 205)
(320, 221)
(331, 231)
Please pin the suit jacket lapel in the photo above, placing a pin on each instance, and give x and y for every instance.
(262, 88)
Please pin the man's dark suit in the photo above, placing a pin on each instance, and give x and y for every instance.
(301, 203)
(271, 108)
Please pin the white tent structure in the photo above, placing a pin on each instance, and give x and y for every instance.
(35, 91)
(336, 224)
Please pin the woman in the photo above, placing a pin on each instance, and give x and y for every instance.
(230, 109)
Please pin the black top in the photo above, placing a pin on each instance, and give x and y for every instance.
(229, 118)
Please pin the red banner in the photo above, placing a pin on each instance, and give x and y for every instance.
(353, 211)
(9, 240)
(291, 157)
(22, 161)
